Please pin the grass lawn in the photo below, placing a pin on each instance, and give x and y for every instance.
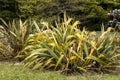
(8, 71)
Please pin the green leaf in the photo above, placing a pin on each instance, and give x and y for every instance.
(96, 59)
(59, 61)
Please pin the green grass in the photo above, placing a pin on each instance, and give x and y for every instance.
(9, 71)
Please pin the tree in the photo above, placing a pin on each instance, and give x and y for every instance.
(31, 8)
(8, 9)
(91, 13)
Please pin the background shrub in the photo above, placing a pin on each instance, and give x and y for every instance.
(91, 13)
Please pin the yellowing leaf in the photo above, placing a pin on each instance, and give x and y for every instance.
(101, 55)
(74, 25)
(106, 32)
(73, 57)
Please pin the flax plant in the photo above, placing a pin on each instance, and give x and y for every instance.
(15, 33)
(65, 47)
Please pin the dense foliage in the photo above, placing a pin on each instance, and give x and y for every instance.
(90, 12)
(62, 47)
(46, 41)
(8, 9)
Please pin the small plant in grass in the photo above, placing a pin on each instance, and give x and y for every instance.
(69, 49)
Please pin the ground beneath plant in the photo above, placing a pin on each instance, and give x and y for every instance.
(16, 71)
